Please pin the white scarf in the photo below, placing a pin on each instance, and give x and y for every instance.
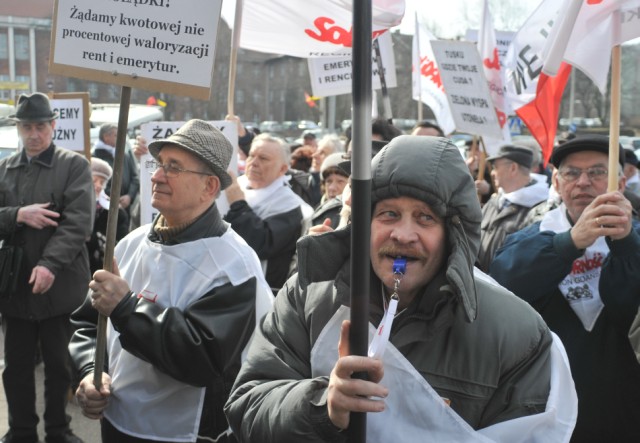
(527, 196)
(580, 287)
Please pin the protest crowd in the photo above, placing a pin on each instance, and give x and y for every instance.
(504, 304)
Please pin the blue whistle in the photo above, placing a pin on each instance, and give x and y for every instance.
(400, 265)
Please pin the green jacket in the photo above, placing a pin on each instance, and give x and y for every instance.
(63, 178)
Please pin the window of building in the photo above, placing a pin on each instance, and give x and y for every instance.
(4, 47)
(4, 93)
(94, 91)
(257, 98)
(239, 96)
(114, 92)
(21, 44)
(23, 79)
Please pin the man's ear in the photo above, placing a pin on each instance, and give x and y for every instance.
(212, 187)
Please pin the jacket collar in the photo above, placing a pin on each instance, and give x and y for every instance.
(209, 224)
(45, 158)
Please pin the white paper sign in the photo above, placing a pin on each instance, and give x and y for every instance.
(159, 130)
(70, 127)
(165, 45)
(466, 86)
(332, 75)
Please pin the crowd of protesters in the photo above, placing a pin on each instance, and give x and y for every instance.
(189, 298)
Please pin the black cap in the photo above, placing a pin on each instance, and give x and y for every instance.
(598, 143)
(519, 154)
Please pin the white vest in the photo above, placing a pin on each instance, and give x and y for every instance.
(414, 411)
(145, 402)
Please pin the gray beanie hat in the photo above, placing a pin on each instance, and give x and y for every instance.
(206, 142)
(432, 170)
(100, 168)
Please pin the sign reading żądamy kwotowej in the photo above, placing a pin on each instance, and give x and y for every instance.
(162, 45)
(466, 87)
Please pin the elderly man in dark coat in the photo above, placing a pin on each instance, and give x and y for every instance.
(47, 209)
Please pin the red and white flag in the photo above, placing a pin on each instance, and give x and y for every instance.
(306, 28)
(426, 82)
(533, 95)
(488, 49)
(587, 31)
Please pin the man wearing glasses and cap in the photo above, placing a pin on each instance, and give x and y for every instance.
(182, 303)
(580, 268)
(46, 209)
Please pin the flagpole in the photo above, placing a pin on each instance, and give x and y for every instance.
(386, 101)
(416, 35)
(233, 57)
(361, 197)
(112, 224)
(614, 120)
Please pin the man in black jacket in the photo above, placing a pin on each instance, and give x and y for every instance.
(182, 304)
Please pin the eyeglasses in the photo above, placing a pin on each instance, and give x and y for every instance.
(171, 170)
(572, 174)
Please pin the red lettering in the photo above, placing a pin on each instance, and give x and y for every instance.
(581, 266)
(492, 64)
(428, 69)
(334, 34)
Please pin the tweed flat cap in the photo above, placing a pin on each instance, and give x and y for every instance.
(206, 142)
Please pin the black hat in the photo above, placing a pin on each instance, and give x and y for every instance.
(519, 154)
(598, 143)
(33, 108)
(630, 157)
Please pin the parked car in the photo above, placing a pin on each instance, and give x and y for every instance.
(270, 126)
(102, 113)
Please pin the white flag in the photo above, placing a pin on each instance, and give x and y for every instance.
(488, 49)
(306, 28)
(587, 32)
(427, 84)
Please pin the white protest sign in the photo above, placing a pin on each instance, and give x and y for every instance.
(332, 75)
(72, 125)
(160, 45)
(159, 130)
(503, 40)
(466, 86)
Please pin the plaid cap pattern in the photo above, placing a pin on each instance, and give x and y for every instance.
(206, 142)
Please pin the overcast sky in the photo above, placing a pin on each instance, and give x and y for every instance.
(451, 18)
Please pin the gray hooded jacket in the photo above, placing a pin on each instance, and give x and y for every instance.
(474, 342)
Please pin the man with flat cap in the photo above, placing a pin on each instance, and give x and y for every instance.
(182, 304)
(580, 268)
(518, 192)
(46, 210)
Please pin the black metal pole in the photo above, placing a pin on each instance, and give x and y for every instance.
(386, 101)
(112, 224)
(361, 196)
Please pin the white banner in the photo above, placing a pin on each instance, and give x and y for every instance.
(332, 75)
(159, 130)
(467, 91)
(426, 82)
(306, 28)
